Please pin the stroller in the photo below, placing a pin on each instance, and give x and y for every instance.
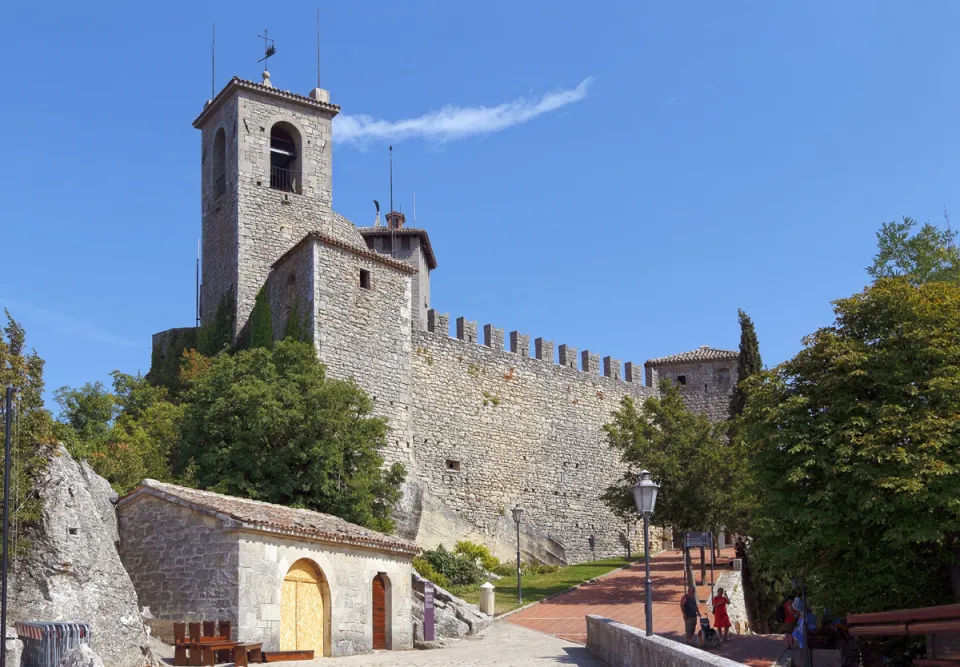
(709, 638)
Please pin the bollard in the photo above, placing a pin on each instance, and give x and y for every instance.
(486, 599)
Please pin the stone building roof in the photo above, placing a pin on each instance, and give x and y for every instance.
(373, 232)
(241, 513)
(337, 243)
(237, 82)
(702, 353)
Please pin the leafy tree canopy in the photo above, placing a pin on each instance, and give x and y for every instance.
(32, 425)
(268, 424)
(698, 471)
(854, 449)
(925, 255)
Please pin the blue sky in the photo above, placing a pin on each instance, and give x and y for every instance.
(723, 155)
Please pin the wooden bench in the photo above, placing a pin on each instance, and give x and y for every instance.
(247, 653)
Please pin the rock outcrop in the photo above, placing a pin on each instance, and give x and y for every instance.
(72, 571)
(82, 656)
(13, 648)
(454, 618)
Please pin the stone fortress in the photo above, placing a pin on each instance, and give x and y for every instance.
(480, 424)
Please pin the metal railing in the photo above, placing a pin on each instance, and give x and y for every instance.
(287, 180)
(46, 644)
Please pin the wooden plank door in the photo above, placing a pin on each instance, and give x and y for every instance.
(379, 613)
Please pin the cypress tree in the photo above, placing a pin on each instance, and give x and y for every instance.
(296, 325)
(748, 364)
(213, 337)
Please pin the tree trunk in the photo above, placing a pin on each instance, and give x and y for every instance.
(955, 580)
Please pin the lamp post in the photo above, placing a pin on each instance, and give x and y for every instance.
(517, 516)
(645, 496)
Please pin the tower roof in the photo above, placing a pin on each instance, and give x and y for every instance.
(236, 83)
(702, 353)
(376, 232)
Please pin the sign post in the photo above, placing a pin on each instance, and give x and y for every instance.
(428, 613)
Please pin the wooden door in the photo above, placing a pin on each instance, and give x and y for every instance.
(379, 613)
(301, 609)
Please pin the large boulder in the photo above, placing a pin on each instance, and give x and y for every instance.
(72, 571)
(454, 618)
(13, 648)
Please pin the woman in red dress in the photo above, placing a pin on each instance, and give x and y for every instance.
(720, 619)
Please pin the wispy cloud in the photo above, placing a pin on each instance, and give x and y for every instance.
(451, 123)
(63, 324)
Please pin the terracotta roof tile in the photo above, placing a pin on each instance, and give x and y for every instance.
(257, 515)
(237, 82)
(702, 353)
(337, 243)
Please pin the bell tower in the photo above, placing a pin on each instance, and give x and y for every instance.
(266, 165)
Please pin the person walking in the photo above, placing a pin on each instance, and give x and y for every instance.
(721, 621)
(691, 614)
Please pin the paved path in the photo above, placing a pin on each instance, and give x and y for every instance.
(501, 644)
(620, 596)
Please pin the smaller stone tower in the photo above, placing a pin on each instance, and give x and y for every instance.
(706, 378)
(411, 246)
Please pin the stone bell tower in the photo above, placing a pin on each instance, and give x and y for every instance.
(266, 182)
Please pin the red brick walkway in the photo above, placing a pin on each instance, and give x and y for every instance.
(620, 596)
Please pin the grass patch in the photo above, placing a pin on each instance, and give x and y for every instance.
(536, 587)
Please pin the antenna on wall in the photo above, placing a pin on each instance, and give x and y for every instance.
(318, 47)
(213, 62)
(197, 313)
(391, 179)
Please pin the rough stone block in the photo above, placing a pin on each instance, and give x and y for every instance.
(520, 343)
(631, 373)
(611, 368)
(493, 337)
(619, 644)
(438, 322)
(466, 330)
(589, 362)
(568, 356)
(543, 349)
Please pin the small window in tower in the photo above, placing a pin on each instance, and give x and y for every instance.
(404, 243)
(453, 466)
(364, 279)
(681, 379)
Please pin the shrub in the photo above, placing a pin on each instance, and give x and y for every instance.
(478, 554)
(505, 569)
(459, 570)
(427, 571)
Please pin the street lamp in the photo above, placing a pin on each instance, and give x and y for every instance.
(645, 496)
(517, 516)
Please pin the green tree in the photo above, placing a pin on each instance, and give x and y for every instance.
(749, 362)
(261, 322)
(297, 328)
(927, 255)
(689, 457)
(32, 425)
(270, 425)
(855, 451)
(126, 435)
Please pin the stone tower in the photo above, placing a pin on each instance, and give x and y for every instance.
(706, 378)
(411, 246)
(266, 182)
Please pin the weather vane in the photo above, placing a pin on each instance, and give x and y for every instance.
(268, 49)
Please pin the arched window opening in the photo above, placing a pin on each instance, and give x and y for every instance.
(284, 158)
(219, 164)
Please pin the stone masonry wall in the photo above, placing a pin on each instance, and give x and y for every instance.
(183, 565)
(364, 334)
(493, 428)
(349, 572)
(290, 289)
(708, 385)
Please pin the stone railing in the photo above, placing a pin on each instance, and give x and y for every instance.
(621, 645)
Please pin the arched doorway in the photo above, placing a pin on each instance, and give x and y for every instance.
(305, 610)
(381, 612)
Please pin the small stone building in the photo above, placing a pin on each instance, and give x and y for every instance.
(293, 579)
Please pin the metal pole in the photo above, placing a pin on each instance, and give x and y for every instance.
(807, 649)
(519, 591)
(646, 558)
(8, 414)
(712, 565)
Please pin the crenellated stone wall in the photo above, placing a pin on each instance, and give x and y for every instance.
(493, 428)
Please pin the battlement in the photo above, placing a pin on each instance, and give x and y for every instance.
(519, 344)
